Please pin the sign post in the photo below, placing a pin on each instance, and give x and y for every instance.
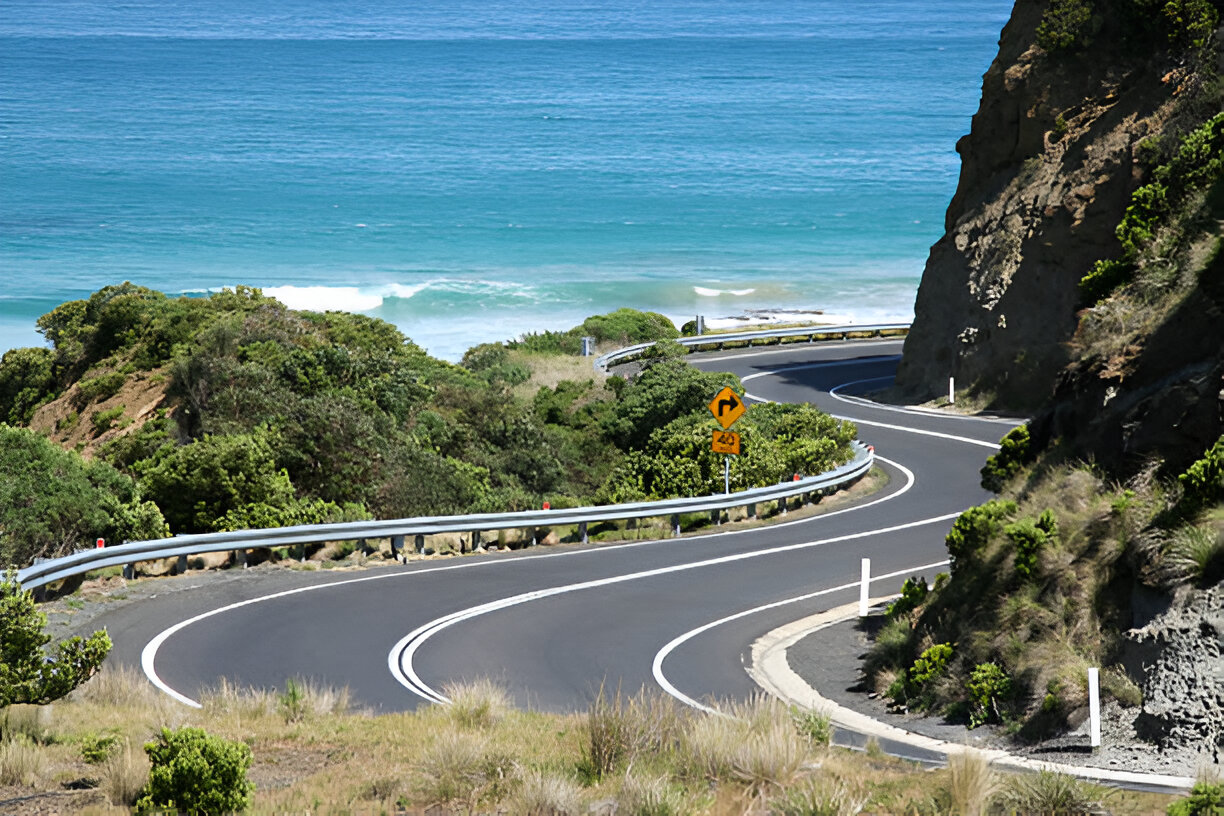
(726, 407)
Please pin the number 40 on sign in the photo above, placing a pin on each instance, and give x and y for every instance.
(726, 442)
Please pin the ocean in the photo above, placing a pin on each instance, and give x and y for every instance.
(474, 169)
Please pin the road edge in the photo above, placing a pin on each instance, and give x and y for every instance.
(770, 669)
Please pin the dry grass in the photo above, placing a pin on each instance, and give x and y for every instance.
(22, 762)
(477, 703)
(124, 774)
(971, 782)
(35, 723)
(546, 794)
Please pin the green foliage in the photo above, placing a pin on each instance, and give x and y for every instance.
(1105, 277)
(53, 502)
(973, 529)
(1190, 23)
(194, 772)
(664, 391)
(27, 380)
(1051, 792)
(28, 674)
(96, 748)
(1197, 164)
(1065, 26)
(623, 327)
(1047, 522)
(292, 702)
(1014, 453)
(1203, 481)
(1027, 538)
(1193, 555)
(103, 421)
(929, 665)
(1205, 799)
(103, 386)
(813, 726)
(913, 593)
(989, 687)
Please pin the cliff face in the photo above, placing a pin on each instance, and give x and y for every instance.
(1047, 171)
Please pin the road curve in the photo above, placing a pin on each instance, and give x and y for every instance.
(553, 624)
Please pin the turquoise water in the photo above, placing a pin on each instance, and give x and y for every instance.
(471, 170)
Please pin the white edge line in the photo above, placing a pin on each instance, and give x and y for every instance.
(661, 655)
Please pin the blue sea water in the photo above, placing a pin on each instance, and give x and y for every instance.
(472, 169)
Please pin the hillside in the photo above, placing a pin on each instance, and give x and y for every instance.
(1080, 281)
(153, 415)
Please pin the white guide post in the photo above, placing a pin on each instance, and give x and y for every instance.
(951, 390)
(864, 587)
(1094, 708)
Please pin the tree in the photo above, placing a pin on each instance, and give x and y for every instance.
(27, 673)
(53, 502)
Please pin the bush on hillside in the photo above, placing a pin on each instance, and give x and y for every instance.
(53, 502)
(194, 772)
(1015, 451)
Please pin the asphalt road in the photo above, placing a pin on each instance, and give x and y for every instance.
(553, 624)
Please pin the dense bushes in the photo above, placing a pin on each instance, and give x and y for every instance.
(274, 417)
(194, 772)
(53, 502)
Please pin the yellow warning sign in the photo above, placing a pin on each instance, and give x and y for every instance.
(727, 407)
(726, 442)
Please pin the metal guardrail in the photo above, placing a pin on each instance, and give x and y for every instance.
(182, 546)
(719, 341)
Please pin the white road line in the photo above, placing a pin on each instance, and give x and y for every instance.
(661, 655)
(400, 658)
(148, 655)
(836, 394)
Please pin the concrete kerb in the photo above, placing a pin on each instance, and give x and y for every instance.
(772, 672)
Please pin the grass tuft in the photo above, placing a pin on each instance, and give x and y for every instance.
(22, 762)
(476, 704)
(971, 782)
(544, 794)
(1053, 793)
(124, 774)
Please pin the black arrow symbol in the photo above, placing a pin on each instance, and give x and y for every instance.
(731, 403)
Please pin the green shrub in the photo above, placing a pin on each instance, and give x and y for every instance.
(1051, 792)
(1027, 538)
(103, 421)
(1065, 26)
(1193, 555)
(194, 772)
(1105, 277)
(27, 380)
(989, 686)
(913, 593)
(1203, 481)
(1190, 22)
(1047, 522)
(1013, 454)
(815, 727)
(1205, 799)
(97, 388)
(931, 664)
(974, 528)
(1148, 206)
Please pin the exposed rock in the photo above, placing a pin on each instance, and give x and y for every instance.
(1181, 657)
(1047, 171)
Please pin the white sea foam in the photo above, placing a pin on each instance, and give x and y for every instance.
(325, 298)
(706, 292)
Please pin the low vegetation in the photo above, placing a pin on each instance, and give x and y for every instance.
(653, 756)
(1039, 591)
(232, 412)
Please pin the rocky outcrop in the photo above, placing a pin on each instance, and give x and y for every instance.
(1047, 171)
(1180, 659)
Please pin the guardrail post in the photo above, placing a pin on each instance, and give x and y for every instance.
(418, 543)
(752, 511)
(129, 572)
(534, 537)
(716, 518)
(582, 532)
(180, 566)
(675, 524)
(240, 558)
(397, 546)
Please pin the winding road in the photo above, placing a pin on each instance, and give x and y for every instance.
(552, 624)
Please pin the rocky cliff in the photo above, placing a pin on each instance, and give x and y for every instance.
(1055, 152)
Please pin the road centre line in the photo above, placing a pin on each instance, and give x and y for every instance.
(400, 658)
(661, 655)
